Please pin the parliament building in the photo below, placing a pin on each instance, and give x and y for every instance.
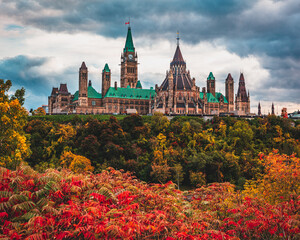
(177, 95)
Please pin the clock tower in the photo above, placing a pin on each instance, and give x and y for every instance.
(129, 70)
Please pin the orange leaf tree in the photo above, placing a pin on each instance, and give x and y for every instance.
(280, 181)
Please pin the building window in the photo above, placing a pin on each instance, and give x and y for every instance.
(93, 103)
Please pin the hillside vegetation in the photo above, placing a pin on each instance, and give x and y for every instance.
(114, 205)
(186, 150)
(74, 177)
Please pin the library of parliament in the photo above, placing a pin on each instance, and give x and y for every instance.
(178, 93)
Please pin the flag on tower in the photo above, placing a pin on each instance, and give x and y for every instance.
(127, 23)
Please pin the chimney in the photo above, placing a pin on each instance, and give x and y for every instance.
(90, 83)
(204, 90)
(116, 87)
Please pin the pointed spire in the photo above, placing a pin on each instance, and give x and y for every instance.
(83, 66)
(259, 109)
(106, 68)
(242, 93)
(229, 77)
(178, 59)
(177, 38)
(129, 42)
(273, 112)
(139, 85)
(210, 76)
(242, 79)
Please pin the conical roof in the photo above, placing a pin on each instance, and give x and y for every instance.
(229, 77)
(83, 66)
(129, 42)
(242, 89)
(242, 79)
(138, 84)
(106, 68)
(177, 59)
(210, 76)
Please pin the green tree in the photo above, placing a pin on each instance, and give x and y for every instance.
(241, 136)
(19, 94)
(159, 123)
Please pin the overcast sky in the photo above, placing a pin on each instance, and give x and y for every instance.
(43, 43)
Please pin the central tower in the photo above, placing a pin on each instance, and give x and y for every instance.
(129, 70)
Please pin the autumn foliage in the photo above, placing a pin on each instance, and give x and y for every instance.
(280, 180)
(14, 146)
(115, 205)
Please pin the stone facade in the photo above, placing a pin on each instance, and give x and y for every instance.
(229, 92)
(59, 100)
(129, 98)
(177, 95)
(129, 64)
(242, 99)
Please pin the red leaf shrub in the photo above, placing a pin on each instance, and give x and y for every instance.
(115, 205)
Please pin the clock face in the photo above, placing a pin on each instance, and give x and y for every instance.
(130, 56)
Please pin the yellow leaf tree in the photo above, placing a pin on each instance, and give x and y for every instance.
(14, 147)
(75, 163)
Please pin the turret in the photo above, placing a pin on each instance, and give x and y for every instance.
(129, 70)
(170, 91)
(229, 92)
(259, 109)
(211, 84)
(242, 102)
(106, 80)
(83, 78)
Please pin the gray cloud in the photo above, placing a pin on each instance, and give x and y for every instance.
(27, 72)
(22, 70)
(270, 33)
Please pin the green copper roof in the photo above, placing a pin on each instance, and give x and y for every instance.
(211, 76)
(211, 99)
(92, 93)
(130, 93)
(129, 43)
(139, 85)
(218, 95)
(106, 68)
